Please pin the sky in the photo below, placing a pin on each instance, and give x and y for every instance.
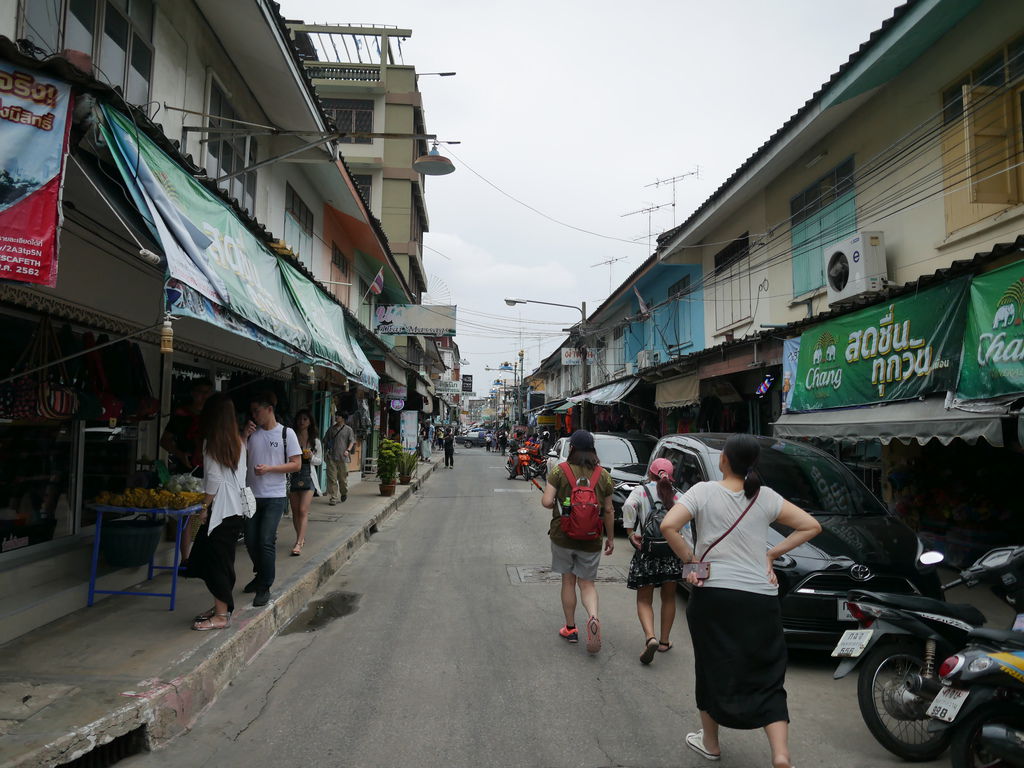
(575, 108)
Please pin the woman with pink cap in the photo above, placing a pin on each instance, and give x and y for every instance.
(653, 564)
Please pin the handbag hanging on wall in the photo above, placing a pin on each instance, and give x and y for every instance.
(57, 397)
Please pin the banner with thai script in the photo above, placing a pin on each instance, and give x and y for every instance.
(993, 357)
(414, 319)
(34, 124)
(447, 387)
(790, 361)
(895, 350)
(572, 356)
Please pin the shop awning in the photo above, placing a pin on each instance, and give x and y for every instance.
(608, 394)
(677, 393)
(550, 405)
(421, 385)
(905, 422)
(564, 407)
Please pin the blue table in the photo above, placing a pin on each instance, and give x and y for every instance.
(180, 516)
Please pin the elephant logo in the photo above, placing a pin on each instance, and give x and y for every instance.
(1008, 308)
(817, 355)
(825, 348)
(830, 353)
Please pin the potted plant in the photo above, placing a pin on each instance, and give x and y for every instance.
(388, 456)
(407, 466)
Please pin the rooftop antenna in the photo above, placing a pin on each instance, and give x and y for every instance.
(673, 181)
(609, 262)
(649, 210)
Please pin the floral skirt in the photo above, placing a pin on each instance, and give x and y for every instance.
(651, 571)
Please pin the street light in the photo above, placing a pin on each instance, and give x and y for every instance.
(511, 301)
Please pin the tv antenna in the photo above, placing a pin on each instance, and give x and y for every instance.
(673, 181)
(609, 262)
(649, 210)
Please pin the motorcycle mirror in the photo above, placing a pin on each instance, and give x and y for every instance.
(931, 558)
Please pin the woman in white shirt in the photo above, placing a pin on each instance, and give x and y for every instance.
(734, 617)
(213, 554)
(653, 565)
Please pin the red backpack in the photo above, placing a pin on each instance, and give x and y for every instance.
(581, 518)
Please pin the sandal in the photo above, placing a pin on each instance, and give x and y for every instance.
(207, 624)
(204, 615)
(649, 648)
(297, 549)
(668, 646)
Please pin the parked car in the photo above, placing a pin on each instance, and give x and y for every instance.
(624, 455)
(474, 437)
(861, 546)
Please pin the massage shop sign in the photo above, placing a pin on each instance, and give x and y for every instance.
(892, 351)
(34, 124)
(993, 361)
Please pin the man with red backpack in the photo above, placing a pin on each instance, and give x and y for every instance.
(579, 495)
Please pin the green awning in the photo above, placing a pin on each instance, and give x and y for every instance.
(564, 407)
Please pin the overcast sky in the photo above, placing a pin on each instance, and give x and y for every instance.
(573, 107)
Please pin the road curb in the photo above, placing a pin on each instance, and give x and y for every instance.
(169, 705)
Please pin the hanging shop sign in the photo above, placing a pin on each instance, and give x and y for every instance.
(446, 387)
(415, 319)
(467, 383)
(895, 351)
(993, 355)
(572, 356)
(395, 391)
(790, 361)
(34, 125)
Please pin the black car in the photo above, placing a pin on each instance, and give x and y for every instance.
(473, 438)
(624, 454)
(861, 546)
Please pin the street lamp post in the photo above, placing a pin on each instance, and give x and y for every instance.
(584, 420)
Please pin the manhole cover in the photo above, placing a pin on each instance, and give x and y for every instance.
(542, 574)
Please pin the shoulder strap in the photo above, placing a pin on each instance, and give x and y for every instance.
(719, 539)
(596, 477)
(650, 501)
(567, 471)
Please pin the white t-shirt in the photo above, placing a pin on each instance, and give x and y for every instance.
(224, 484)
(265, 448)
(636, 507)
(739, 561)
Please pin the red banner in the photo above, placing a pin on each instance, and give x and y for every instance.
(34, 126)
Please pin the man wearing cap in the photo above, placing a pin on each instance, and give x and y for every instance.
(577, 559)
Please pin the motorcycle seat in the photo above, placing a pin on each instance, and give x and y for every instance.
(998, 637)
(962, 611)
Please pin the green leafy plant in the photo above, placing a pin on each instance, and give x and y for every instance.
(407, 463)
(388, 456)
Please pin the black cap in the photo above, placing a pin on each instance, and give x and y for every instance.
(582, 440)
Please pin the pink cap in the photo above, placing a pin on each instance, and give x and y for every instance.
(661, 468)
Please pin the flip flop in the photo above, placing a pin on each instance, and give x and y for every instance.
(666, 649)
(695, 741)
(649, 648)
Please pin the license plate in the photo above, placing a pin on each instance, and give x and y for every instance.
(946, 705)
(852, 643)
(843, 610)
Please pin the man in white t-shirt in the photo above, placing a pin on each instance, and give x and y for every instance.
(272, 452)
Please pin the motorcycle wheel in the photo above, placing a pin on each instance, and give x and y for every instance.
(895, 716)
(966, 749)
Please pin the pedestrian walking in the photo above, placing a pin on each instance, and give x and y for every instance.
(733, 614)
(579, 495)
(224, 468)
(502, 441)
(654, 564)
(273, 452)
(340, 441)
(304, 483)
(449, 449)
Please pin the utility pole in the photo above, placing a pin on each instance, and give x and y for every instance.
(584, 421)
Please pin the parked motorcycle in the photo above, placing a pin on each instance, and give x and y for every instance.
(982, 705)
(526, 463)
(899, 640)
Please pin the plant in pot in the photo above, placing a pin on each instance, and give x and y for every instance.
(407, 466)
(388, 456)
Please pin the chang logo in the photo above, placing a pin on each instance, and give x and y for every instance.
(999, 347)
(824, 351)
(1008, 308)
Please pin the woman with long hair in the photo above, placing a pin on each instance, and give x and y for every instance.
(735, 622)
(577, 556)
(303, 483)
(213, 553)
(653, 565)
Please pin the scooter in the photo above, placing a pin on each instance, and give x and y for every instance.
(518, 464)
(899, 640)
(982, 703)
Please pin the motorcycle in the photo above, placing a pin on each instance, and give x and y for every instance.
(982, 703)
(896, 647)
(528, 463)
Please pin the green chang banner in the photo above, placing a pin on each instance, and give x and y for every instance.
(894, 351)
(993, 362)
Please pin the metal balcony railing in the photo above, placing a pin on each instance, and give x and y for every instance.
(359, 73)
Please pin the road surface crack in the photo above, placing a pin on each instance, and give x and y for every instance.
(273, 685)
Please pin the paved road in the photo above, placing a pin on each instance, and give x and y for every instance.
(448, 656)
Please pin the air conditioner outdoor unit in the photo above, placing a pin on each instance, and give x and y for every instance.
(855, 266)
(647, 358)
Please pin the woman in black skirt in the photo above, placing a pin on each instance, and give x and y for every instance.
(734, 616)
(651, 566)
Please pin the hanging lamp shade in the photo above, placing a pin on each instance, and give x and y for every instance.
(433, 163)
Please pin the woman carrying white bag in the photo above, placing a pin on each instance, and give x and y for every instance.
(228, 503)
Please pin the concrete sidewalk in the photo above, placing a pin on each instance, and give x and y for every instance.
(127, 662)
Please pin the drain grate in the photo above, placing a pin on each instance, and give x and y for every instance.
(131, 743)
(542, 574)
